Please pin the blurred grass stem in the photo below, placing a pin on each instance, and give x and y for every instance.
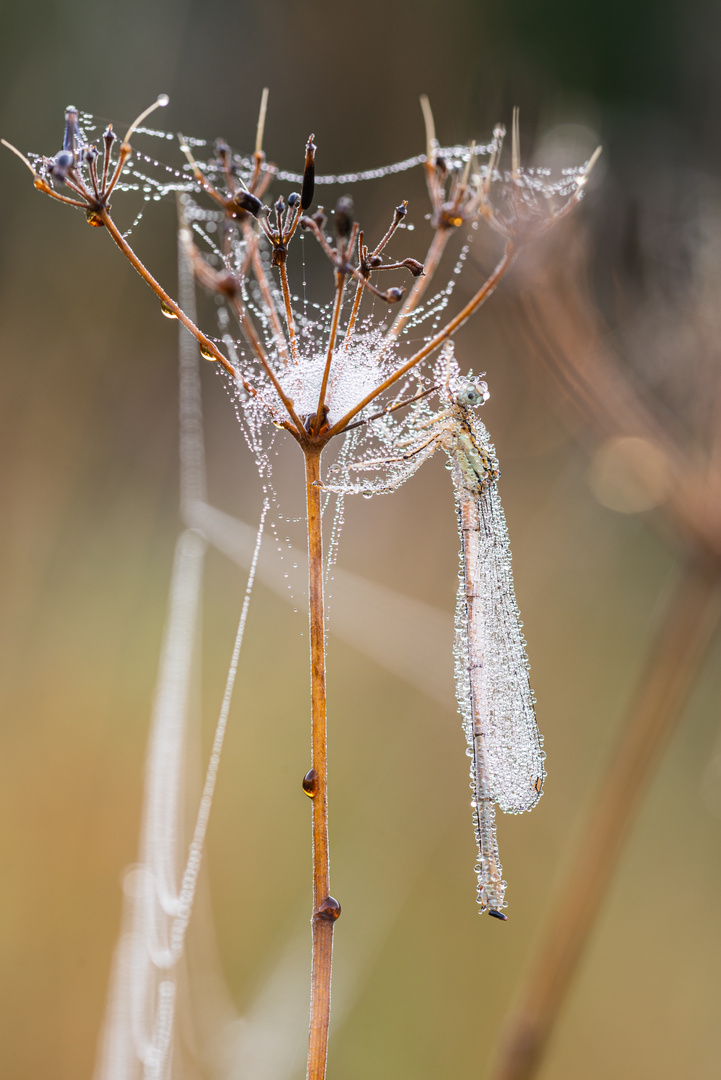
(690, 621)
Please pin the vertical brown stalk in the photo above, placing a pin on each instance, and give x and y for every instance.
(325, 909)
(690, 620)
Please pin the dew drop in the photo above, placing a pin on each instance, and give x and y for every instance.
(329, 909)
(206, 353)
(167, 311)
(162, 100)
(310, 783)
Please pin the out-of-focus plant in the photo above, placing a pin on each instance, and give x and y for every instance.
(632, 368)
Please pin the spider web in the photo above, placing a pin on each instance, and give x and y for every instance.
(149, 982)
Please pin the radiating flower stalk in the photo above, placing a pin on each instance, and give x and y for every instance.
(317, 381)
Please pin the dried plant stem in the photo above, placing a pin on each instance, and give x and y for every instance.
(340, 280)
(430, 265)
(323, 916)
(354, 312)
(157, 288)
(289, 317)
(692, 616)
(269, 300)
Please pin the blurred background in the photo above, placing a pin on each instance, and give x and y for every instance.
(89, 481)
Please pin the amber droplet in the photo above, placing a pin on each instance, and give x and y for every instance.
(94, 219)
(330, 909)
(206, 353)
(497, 914)
(310, 783)
(167, 311)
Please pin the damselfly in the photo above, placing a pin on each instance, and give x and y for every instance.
(491, 666)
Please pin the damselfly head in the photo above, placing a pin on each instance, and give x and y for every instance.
(471, 392)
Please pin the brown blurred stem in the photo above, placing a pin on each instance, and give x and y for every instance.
(690, 620)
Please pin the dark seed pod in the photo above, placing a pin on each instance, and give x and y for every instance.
(344, 216)
(109, 138)
(244, 200)
(375, 261)
(497, 914)
(293, 198)
(394, 295)
(306, 193)
(90, 154)
(415, 267)
(222, 151)
(227, 284)
(279, 206)
(61, 164)
(402, 210)
(72, 132)
(319, 217)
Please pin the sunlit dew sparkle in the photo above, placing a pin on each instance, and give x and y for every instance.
(354, 374)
